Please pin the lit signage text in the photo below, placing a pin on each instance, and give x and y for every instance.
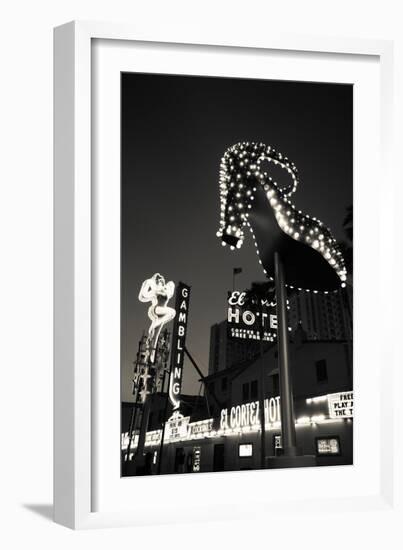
(201, 428)
(177, 427)
(245, 323)
(341, 405)
(247, 414)
(178, 343)
(196, 459)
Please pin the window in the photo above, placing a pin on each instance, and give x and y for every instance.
(245, 391)
(224, 383)
(254, 390)
(321, 370)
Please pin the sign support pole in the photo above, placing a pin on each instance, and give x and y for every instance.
(261, 395)
(292, 455)
(164, 420)
(143, 430)
(131, 427)
(286, 401)
(202, 377)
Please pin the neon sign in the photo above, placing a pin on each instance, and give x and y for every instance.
(251, 200)
(178, 344)
(247, 415)
(247, 324)
(158, 292)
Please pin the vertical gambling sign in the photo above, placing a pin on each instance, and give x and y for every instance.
(178, 343)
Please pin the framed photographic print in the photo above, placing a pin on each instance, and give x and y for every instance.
(208, 321)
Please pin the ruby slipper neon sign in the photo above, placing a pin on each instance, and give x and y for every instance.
(251, 199)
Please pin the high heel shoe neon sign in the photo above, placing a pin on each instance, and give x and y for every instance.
(251, 199)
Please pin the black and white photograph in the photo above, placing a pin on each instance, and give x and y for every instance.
(236, 274)
(202, 299)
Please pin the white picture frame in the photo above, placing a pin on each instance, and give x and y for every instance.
(77, 391)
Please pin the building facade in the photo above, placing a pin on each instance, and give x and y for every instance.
(225, 434)
(323, 317)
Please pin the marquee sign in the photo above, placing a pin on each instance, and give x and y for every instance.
(245, 418)
(249, 322)
(178, 343)
(201, 428)
(341, 405)
(177, 427)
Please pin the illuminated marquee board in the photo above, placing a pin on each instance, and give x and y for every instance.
(177, 427)
(245, 323)
(341, 405)
(178, 343)
(245, 418)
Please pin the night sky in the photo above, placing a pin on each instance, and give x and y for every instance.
(175, 130)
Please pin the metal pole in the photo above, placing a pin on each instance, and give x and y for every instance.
(202, 377)
(131, 426)
(261, 403)
(163, 433)
(143, 430)
(261, 387)
(286, 396)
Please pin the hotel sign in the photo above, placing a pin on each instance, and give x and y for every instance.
(178, 343)
(341, 405)
(247, 415)
(247, 322)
